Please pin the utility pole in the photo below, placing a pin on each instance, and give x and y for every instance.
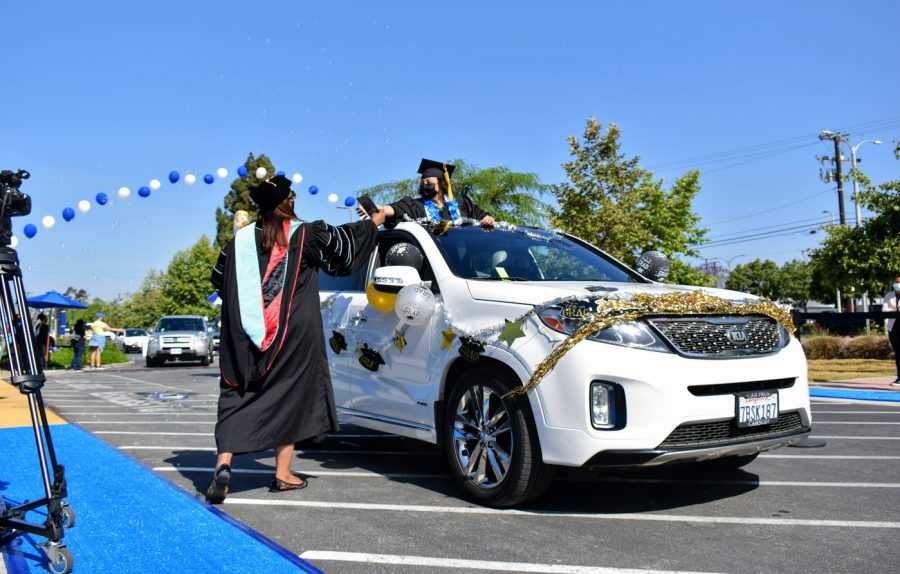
(837, 138)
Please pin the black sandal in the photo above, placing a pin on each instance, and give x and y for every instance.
(279, 485)
(218, 490)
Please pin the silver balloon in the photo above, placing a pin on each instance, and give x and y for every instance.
(414, 305)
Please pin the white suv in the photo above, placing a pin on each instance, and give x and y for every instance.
(180, 338)
(675, 387)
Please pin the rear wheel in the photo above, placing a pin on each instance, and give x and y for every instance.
(491, 441)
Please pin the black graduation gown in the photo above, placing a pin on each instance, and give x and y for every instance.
(414, 208)
(283, 395)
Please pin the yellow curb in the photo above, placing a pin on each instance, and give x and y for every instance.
(14, 411)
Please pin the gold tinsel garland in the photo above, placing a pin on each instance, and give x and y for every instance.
(612, 311)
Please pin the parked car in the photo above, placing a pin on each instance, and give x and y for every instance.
(134, 340)
(713, 390)
(214, 334)
(180, 338)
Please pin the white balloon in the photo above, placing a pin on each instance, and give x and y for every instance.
(154, 184)
(222, 173)
(333, 198)
(124, 192)
(414, 305)
(48, 221)
(84, 206)
(261, 173)
(297, 178)
(13, 241)
(190, 179)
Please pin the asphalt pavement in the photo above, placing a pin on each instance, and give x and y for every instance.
(383, 503)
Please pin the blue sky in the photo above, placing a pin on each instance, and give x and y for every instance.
(100, 95)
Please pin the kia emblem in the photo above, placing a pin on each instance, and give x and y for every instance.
(737, 336)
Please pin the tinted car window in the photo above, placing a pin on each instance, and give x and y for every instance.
(134, 332)
(180, 324)
(526, 255)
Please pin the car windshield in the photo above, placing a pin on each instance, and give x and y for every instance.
(179, 324)
(134, 332)
(527, 254)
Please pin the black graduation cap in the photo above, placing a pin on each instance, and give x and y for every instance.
(271, 192)
(431, 168)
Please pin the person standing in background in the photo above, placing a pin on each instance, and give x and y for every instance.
(98, 339)
(78, 345)
(890, 303)
(42, 340)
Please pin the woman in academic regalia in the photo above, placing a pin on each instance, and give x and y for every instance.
(275, 388)
(436, 201)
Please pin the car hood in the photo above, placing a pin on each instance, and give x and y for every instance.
(170, 333)
(540, 292)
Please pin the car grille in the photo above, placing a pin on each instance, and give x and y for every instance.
(727, 432)
(720, 336)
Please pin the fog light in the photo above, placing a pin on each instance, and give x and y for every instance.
(603, 405)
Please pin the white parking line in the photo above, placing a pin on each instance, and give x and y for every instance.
(315, 472)
(155, 413)
(179, 447)
(508, 512)
(426, 561)
(146, 422)
(144, 433)
(818, 422)
(856, 437)
(831, 456)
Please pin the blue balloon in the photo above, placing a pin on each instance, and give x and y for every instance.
(313, 190)
(349, 201)
(173, 176)
(144, 191)
(30, 230)
(242, 171)
(68, 214)
(279, 172)
(208, 178)
(102, 198)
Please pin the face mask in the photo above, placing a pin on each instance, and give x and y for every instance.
(427, 190)
(896, 286)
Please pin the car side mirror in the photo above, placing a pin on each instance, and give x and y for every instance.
(395, 277)
(653, 265)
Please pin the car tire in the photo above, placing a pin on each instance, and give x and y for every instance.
(493, 448)
(205, 361)
(152, 362)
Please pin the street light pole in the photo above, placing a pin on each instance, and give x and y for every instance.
(853, 170)
(349, 211)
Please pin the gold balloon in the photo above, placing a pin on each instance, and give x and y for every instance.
(382, 302)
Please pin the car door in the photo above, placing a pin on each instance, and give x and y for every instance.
(399, 390)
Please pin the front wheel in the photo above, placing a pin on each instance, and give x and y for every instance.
(491, 442)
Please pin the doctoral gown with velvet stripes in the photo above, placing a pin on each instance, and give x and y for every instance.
(282, 394)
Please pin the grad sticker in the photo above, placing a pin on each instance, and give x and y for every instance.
(470, 349)
(338, 342)
(370, 358)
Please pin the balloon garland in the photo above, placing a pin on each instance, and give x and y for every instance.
(84, 206)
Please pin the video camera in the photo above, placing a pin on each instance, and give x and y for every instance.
(13, 202)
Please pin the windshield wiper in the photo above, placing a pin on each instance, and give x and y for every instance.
(498, 279)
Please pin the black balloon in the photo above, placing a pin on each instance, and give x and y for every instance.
(404, 254)
(653, 265)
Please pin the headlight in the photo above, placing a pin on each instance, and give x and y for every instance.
(630, 334)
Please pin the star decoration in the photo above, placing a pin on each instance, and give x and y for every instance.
(448, 337)
(399, 340)
(512, 330)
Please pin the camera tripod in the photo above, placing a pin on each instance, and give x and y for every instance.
(28, 376)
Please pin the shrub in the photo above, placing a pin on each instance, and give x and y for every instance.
(63, 357)
(867, 347)
(825, 347)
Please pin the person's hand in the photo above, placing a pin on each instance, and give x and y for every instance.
(487, 220)
(378, 217)
(361, 212)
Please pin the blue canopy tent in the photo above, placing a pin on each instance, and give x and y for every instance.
(54, 300)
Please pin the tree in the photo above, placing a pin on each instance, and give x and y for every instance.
(788, 284)
(758, 277)
(617, 205)
(239, 198)
(186, 284)
(864, 258)
(507, 195)
(79, 295)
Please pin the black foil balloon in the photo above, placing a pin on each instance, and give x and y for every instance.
(653, 265)
(404, 254)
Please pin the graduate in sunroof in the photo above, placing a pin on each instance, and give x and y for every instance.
(436, 200)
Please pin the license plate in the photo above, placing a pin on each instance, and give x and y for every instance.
(175, 351)
(756, 408)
